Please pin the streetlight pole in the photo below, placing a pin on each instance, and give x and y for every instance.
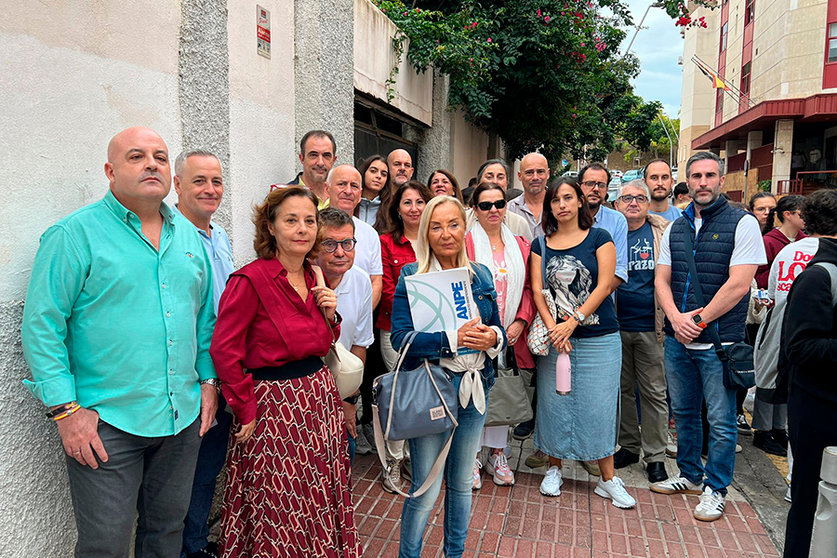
(670, 143)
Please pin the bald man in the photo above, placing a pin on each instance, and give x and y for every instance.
(116, 330)
(401, 168)
(534, 175)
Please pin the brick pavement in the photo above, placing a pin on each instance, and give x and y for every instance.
(519, 521)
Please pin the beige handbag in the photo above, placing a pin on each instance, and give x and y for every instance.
(345, 366)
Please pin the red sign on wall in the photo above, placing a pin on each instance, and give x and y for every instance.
(263, 31)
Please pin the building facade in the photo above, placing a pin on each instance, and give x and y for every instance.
(75, 73)
(772, 111)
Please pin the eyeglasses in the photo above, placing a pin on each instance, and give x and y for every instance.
(347, 245)
(486, 205)
(594, 184)
(627, 199)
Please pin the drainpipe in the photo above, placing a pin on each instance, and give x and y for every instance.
(824, 535)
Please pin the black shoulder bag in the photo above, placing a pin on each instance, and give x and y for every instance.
(737, 358)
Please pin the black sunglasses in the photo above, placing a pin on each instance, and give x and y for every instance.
(486, 205)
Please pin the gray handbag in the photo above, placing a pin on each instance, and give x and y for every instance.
(411, 404)
(509, 402)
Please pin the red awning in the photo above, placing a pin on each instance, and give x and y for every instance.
(812, 109)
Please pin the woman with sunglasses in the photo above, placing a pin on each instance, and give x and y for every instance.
(579, 262)
(443, 183)
(491, 243)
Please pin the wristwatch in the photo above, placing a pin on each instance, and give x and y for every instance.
(699, 321)
(212, 382)
(579, 317)
(352, 399)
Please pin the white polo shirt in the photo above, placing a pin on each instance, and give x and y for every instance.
(368, 248)
(354, 303)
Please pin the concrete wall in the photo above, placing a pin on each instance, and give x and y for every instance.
(470, 149)
(375, 58)
(75, 74)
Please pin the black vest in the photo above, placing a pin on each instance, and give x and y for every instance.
(713, 250)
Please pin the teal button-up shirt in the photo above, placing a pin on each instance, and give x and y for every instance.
(120, 327)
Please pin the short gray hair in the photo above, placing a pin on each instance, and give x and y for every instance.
(704, 156)
(635, 184)
(181, 159)
(335, 167)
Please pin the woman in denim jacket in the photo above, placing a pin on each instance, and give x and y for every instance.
(440, 246)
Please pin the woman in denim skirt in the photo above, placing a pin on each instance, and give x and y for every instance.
(440, 246)
(579, 263)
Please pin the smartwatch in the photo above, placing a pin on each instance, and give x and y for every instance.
(699, 321)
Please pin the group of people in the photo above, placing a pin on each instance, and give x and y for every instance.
(140, 332)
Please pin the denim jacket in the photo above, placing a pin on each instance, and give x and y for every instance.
(434, 346)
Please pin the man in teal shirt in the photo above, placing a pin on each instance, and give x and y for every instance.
(116, 329)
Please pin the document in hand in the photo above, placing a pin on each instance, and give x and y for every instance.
(441, 301)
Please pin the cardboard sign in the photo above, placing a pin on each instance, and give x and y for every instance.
(263, 31)
(441, 301)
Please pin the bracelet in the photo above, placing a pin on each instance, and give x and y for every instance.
(66, 413)
(60, 409)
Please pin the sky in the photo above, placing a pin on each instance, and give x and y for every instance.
(658, 45)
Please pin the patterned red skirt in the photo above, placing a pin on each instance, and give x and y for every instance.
(288, 491)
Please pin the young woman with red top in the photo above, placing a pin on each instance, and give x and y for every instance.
(288, 464)
(789, 230)
(405, 211)
(491, 243)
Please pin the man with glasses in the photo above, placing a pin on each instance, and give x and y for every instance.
(344, 189)
(641, 329)
(534, 175)
(354, 295)
(594, 179)
(657, 176)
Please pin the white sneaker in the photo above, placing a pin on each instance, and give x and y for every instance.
(498, 467)
(477, 476)
(614, 489)
(675, 485)
(711, 506)
(671, 446)
(392, 477)
(551, 483)
(788, 496)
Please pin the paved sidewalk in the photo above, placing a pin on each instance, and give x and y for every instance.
(519, 521)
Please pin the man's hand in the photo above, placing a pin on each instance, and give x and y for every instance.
(350, 412)
(80, 436)
(685, 330)
(209, 406)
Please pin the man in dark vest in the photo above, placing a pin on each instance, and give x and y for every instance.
(727, 249)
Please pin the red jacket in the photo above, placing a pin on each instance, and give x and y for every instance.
(774, 241)
(394, 256)
(526, 310)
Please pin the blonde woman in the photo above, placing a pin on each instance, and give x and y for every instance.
(440, 246)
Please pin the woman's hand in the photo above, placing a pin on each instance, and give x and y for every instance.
(326, 299)
(245, 431)
(480, 338)
(515, 330)
(559, 334)
(463, 331)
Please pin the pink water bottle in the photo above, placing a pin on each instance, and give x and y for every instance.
(562, 374)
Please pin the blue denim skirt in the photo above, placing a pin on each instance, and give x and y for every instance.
(582, 425)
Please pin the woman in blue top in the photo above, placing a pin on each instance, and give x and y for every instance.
(441, 245)
(579, 263)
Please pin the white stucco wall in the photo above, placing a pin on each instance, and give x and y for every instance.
(69, 84)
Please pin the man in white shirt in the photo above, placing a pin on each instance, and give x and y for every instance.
(727, 247)
(354, 295)
(344, 189)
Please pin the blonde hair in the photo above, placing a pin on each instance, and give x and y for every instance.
(422, 246)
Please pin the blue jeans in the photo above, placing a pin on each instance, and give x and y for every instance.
(458, 473)
(211, 459)
(352, 446)
(695, 375)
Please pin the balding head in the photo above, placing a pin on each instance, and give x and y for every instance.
(344, 187)
(400, 167)
(138, 169)
(534, 174)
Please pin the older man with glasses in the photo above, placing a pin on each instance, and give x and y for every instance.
(641, 329)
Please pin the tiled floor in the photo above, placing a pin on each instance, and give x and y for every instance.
(518, 521)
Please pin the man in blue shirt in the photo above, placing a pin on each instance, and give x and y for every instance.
(199, 183)
(116, 330)
(657, 176)
(641, 330)
(593, 180)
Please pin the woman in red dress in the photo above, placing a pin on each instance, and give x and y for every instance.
(287, 491)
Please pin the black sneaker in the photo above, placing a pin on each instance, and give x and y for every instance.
(765, 442)
(743, 427)
(780, 436)
(624, 457)
(523, 430)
